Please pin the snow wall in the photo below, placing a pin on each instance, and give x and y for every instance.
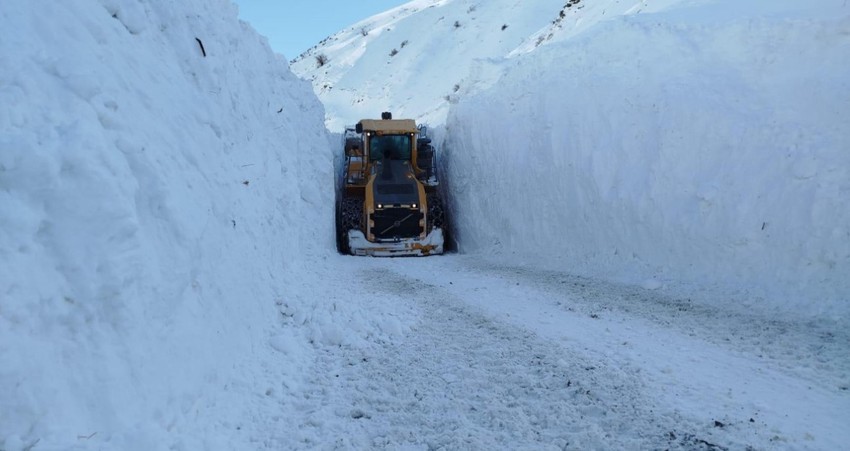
(681, 146)
(157, 204)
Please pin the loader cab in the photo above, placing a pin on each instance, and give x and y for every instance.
(388, 138)
(394, 147)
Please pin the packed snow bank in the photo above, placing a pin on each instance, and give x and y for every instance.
(163, 180)
(685, 146)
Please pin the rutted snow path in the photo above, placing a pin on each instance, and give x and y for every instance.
(461, 380)
(508, 358)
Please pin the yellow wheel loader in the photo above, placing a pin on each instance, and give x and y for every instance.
(388, 197)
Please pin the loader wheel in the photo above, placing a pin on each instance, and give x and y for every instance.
(350, 216)
(436, 214)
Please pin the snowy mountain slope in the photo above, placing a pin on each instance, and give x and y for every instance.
(418, 58)
(707, 145)
(578, 16)
(152, 201)
(411, 59)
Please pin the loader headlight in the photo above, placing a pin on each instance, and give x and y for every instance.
(380, 206)
(414, 205)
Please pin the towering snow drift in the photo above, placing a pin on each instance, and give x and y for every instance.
(156, 202)
(707, 144)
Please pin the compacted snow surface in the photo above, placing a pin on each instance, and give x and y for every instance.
(649, 199)
(506, 357)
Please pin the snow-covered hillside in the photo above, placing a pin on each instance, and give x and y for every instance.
(418, 58)
(412, 59)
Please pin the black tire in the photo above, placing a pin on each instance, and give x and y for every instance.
(341, 245)
(436, 212)
(349, 216)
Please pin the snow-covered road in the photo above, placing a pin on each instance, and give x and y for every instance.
(500, 357)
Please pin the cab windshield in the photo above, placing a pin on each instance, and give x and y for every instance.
(395, 147)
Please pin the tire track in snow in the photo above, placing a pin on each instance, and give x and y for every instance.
(744, 380)
(459, 380)
(817, 350)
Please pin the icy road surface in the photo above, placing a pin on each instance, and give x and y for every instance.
(500, 357)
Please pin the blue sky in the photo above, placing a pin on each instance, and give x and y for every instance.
(294, 26)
